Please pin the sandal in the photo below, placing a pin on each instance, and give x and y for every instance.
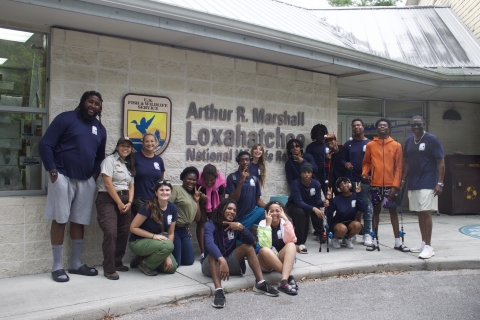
(288, 289)
(402, 248)
(292, 282)
(57, 274)
(84, 270)
(373, 247)
(301, 249)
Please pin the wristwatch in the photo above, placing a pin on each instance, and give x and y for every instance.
(440, 184)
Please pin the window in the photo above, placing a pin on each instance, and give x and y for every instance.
(22, 110)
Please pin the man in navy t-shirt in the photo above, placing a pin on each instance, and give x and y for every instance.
(354, 150)
(72, 149)
(424, 171)
(245, 189)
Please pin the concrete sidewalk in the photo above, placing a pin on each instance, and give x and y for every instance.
(38, 297)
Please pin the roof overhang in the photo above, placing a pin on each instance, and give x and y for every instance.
(359, 74)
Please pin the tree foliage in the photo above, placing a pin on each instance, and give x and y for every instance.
(362, 3)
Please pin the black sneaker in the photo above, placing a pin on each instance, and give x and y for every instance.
(219, 301)
(266, 289)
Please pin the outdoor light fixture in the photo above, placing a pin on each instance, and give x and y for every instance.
(2, 61)
(14, 35)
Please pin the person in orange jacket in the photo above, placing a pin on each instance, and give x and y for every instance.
(383, 161)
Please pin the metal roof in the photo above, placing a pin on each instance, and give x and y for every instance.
(427, 37)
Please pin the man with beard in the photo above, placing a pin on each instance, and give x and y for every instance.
(383, 161)
(72, 149)
(425, 169)
(245, 190)
(354, 150)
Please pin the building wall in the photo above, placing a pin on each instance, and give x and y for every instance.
(455, 135)
(467, 10)
(115, 67)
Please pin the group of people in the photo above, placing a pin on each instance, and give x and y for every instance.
(360, 177)
(136, 206)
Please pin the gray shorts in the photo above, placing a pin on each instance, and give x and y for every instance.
(235, 267)
(70, 200)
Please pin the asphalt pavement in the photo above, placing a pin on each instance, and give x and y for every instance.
(39, 297)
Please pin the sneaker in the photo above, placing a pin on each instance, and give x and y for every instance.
(418, 248)
(348, 243)
(219, 300)
(354, 239)
(367, 240)
(427, 252)
(335, 243)
(266, 289)
(146, 270)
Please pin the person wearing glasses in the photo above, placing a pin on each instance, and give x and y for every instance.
(114, 201)
(152, 232)
(424, 171)
(149, 168)
(72, 150)
(383, 161)
(187, 199)
(296, 157)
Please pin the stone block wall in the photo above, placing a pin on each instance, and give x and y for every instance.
(114, 67)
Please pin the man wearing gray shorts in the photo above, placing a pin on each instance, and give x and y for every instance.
(72, 149)
(425, 169)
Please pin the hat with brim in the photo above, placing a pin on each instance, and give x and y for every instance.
(124, 140)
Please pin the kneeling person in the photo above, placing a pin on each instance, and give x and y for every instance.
(153, 231)
(346, 205)
(223, 258)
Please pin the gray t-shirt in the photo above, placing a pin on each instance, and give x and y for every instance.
(114, 167)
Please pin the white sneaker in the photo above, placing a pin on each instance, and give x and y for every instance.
(354, 239)
(348, 243)
(418, 248)
(427, 252)
(367, 240)
(335, 243)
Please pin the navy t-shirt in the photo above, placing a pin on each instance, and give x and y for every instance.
(354, 151)
(337, 166)
(292, 168)
(248, 195)
(254, 169)
(318, 152)
(148, 172)
(277, 238)
(74, 146)
(170, 215)
(422, 161)
(346, 208)
(306, 197)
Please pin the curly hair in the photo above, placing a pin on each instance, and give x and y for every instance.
(84, 98)
(188, 170)
(318, 129)
(290, 143)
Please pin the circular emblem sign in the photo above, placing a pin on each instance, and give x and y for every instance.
(471, 231)
(470, 193)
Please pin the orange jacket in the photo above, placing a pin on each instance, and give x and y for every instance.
(383, 160)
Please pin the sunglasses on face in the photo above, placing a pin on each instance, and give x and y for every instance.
(415, 125)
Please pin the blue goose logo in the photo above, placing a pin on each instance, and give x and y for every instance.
(471, 231)
(147, 114)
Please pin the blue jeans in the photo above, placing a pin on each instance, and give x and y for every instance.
(182, 247)
(368, 214)
(254, 217)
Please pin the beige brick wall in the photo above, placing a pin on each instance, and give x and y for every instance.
(115, 67)
(455, 135)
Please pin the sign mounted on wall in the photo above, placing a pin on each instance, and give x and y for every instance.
(144, 114)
